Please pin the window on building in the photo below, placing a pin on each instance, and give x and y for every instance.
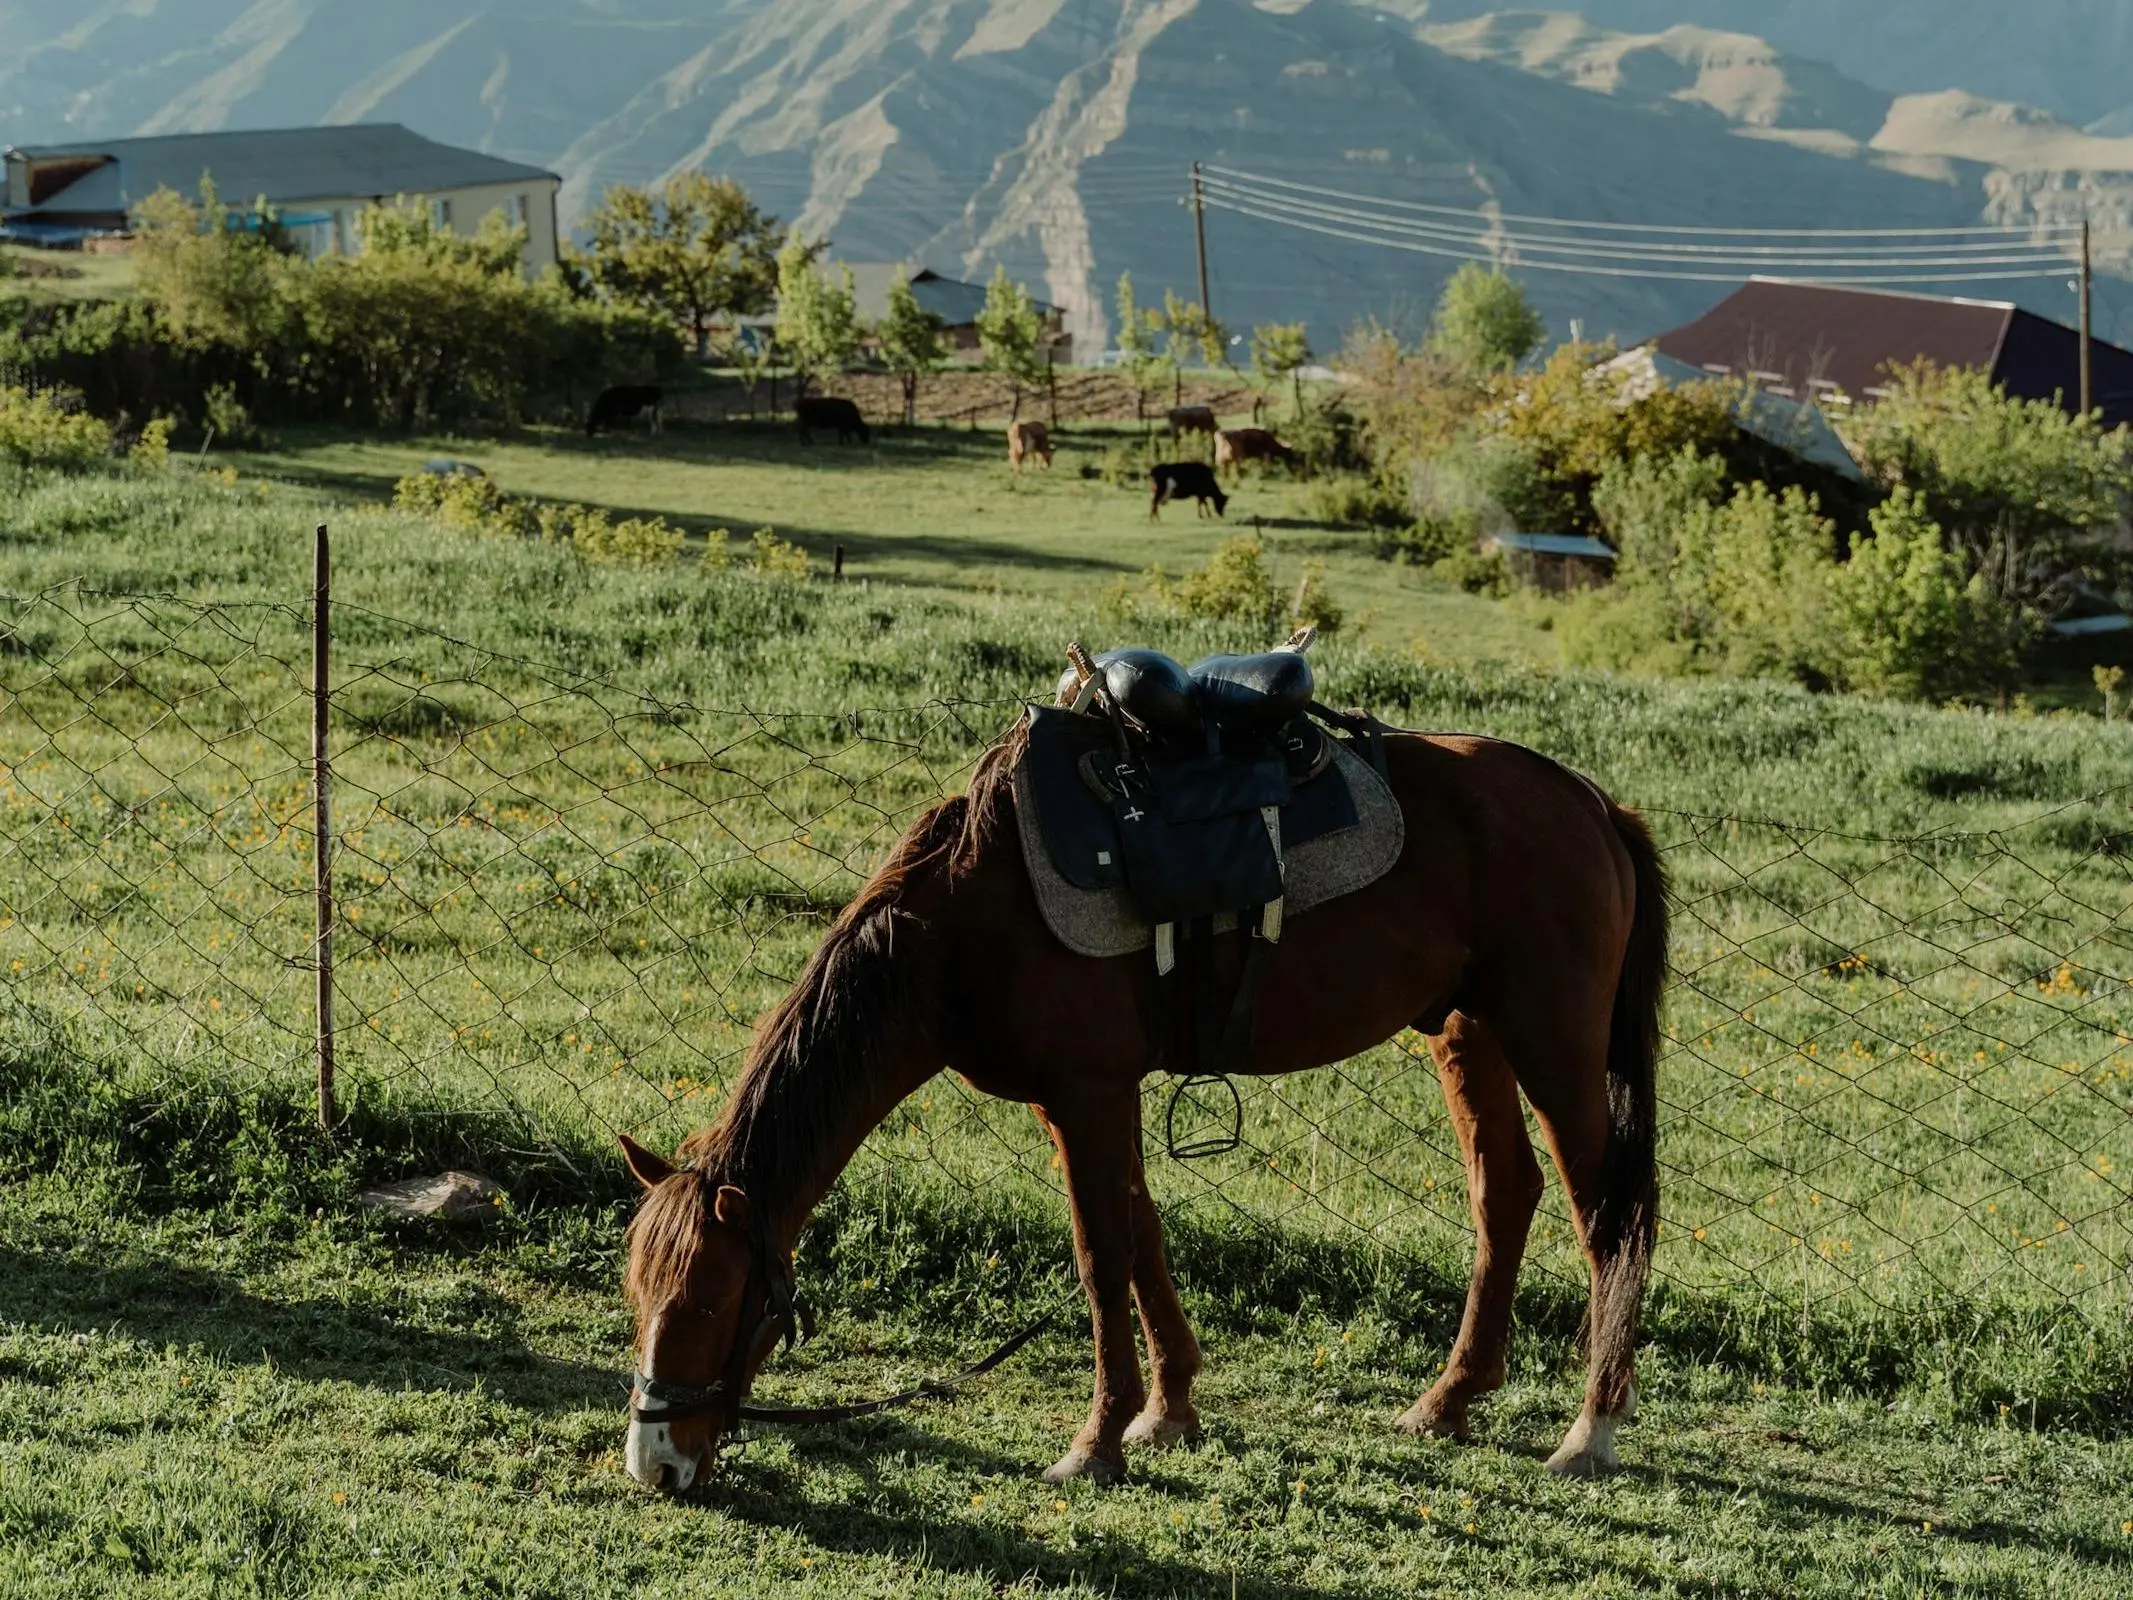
(441, 215)
(347, 230)
(515, 211)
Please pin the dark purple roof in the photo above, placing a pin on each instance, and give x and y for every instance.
(1798, 338)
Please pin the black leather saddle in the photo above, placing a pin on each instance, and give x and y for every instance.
(1184, 785)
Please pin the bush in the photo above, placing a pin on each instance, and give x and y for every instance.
(1917, 620)
(473, 503)
(1493, 481)
(227, 419)
(635, 541)
(1236, 586)
(775, 558)
(1351, 500)
(1125, 464)
(1429, 540)
(37, 432)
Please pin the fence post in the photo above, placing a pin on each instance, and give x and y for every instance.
(322, 814)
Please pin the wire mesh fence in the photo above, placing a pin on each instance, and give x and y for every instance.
(1897, 1068)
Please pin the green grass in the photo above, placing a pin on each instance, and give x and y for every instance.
(939, 510)
(67, 276)
(580, 853)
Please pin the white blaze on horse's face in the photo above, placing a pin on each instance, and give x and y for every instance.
(651, 1455)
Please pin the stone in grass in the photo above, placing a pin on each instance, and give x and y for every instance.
(451, 1195)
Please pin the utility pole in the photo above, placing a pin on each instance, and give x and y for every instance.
(1199, 239)
(2088, 393)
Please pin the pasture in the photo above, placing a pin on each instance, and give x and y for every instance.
(583, 844)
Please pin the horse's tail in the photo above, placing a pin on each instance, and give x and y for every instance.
(1626, 1222)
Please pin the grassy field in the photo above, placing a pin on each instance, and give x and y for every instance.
(938, 510)
(582, 847)
(66, 276)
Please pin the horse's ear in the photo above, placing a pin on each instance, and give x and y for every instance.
(651, 1170)
(732, 1208)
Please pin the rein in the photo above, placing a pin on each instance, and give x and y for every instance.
(786, 1316)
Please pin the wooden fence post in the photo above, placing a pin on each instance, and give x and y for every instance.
(322, 816)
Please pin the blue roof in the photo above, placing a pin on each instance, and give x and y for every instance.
(1553, 544)
(2082, 627)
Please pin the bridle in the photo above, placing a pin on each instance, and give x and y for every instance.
(785, 1316)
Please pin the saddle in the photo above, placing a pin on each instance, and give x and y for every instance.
(1186, 788)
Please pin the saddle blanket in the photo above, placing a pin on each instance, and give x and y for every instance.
(1102, 921)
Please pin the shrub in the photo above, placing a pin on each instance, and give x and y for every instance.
(1236, 586)
(1125, 464)
(1493, 481)
(1351, 500)
(37, 432)
(635, 541)
(1917, 620)
(151, 451)
(775, 558)
(227, 419)
(1429, 540)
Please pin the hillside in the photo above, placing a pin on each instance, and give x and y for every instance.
(1052, 135)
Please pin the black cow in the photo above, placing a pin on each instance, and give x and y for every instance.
(624, 403)
(1185, 480)
(830, 411)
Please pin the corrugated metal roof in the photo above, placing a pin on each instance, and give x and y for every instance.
(363, 160)
(1553, 544)
(1797, 426)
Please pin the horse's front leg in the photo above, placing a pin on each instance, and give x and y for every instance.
(1096, 1147)
(1173, 1353)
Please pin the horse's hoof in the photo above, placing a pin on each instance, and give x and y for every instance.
(1433, 1419)
(1163, 1430)
(1587, 1450)
(1080, 1463)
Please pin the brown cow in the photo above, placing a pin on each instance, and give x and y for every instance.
(1191, 419)
(1235, 446)
(1025, 439)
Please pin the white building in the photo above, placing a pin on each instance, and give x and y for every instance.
(318, 180)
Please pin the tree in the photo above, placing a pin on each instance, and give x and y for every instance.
(697, 250)
(911, 343)
(1187, 328)
(818, 321)
(1137, 355)
(1280, 350)
(1484, 322)
(1011, 332)
(215, 278)
(2030, 495)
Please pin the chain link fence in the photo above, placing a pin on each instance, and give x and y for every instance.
(1898, 1069)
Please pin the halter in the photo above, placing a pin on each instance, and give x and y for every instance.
(655, 1400)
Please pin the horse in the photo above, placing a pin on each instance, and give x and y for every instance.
(1523, 930)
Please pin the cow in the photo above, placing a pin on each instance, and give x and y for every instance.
(1026, 439)
(832, 412)
(624, 403)
(1235, 446)
(1181, 480)
(1191, 419)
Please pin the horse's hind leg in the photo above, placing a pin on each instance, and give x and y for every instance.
(1173, 1353)
(1565, 1079)
(1503, 1185)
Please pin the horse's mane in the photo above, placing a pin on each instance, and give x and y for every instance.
(851, 999)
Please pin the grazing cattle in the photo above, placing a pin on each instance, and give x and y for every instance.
(1235, 446)
(1185, 480)
(1191, 419)
(624, 403)
(831, 412)
(1026, 439)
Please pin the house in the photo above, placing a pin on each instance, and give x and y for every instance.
(955, 302)
(1834, 345)
(318, 180)
(1796, 426)
(1557, 561)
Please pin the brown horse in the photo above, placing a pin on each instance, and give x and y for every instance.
(1523, 930)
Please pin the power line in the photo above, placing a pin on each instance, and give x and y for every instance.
(1483, 231)
(1588, 270)
(1630, 227)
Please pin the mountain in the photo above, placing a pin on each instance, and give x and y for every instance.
(1053, 135)
(2073, 58)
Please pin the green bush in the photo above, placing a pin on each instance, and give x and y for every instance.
(1352, 500)
(37, 432)
(1236, 586)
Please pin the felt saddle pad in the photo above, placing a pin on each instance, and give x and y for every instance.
(1100, 920)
